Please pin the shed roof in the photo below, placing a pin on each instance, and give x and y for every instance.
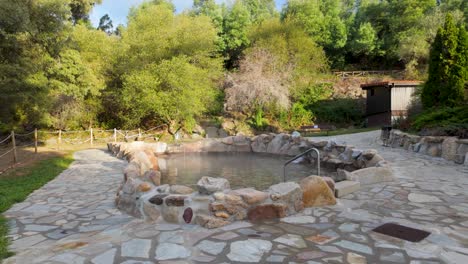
(391, 83)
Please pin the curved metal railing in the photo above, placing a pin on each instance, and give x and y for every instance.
(300, 155)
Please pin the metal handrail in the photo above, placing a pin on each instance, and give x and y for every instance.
(300, 155)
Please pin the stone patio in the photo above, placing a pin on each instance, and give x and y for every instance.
(73, 220)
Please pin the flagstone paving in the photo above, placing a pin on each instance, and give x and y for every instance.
(73, 220)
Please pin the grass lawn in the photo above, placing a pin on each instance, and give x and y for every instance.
(17, 184)
(341, 131)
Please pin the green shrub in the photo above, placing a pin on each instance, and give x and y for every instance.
(258, 121)
(300, 116)
(340, 112)
(295, 117)
(447, 121)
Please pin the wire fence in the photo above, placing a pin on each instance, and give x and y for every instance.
(20, 147)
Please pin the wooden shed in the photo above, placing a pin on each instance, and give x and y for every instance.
(388, 101)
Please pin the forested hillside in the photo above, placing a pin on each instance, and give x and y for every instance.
(269, 68)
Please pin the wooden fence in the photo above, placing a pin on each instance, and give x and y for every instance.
(31, 141)
(348, 74)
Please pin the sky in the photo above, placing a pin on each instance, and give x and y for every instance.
(118, 9)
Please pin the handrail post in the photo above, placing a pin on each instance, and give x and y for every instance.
(115, 135)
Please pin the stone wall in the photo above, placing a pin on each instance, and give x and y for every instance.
(214, 203)
(449, 148)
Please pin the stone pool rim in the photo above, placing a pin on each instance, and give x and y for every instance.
(141, 194)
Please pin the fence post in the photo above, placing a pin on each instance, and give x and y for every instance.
(15, 158)
(35, 140)
(59, 138)
(91, 135)
(139, 134)
(115, 135)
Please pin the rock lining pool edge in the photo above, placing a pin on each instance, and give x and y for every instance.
(214, 204)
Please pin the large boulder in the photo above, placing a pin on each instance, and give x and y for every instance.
(132, 170)
(150, 212)
(153, 176)
(209, 185)
(461, 151)
(231, 205)
(319, 144)
(316, 192)
(277, 143)
(260, 143)
(251, 196)
(152, 158)
(369, 154)
(267, 211)
(214, 145)
(180, 189)
(127, 203)
(372, 175)
(158, 147)
(330, 182)
(210, 221)
(368, 158)
(289, 193)
(143, 160)
(144, 187)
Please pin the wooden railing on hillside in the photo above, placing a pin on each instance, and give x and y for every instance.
(17, 147)
(348, 74)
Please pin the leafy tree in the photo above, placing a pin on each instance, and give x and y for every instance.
(282, 64)
(173, 92)
(105, 24)
(455, 6)
(365, 41)
(260, 10)
(214, 11)
(447, 67)
(168, 68)
(235, 30)
(322, 20)
(210, 9)
(80, 9)
(32, 36)
(400, 37)
(78, 81)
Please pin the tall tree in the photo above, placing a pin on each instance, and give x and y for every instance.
(322, 20)
(105, 24)
(214, 11)
(168, 68)
(80, 9)
(447, 67)
(400, 35)
(282, 63)
(235, 30)
(32, 36)
(260, 9)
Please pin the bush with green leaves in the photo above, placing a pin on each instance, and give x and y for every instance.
(448, 67)
(169, 71)
(340, 112)
(450, 121)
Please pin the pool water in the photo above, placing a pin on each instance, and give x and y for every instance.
(240, 169)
